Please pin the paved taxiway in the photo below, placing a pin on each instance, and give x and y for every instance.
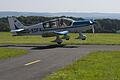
(43, 60)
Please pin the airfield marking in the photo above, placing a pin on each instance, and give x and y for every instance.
(33, 62)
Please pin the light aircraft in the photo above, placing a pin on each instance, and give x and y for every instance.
(55, 27)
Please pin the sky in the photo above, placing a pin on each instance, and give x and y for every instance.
(102, 6)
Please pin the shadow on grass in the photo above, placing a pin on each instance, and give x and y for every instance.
(42, 47)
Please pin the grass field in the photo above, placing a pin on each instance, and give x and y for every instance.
(11, 52)
(102, 65)
(6, 38)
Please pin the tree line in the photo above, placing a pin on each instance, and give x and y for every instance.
(101, 26)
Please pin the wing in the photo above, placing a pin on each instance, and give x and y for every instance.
(51, 34)
(61, 32)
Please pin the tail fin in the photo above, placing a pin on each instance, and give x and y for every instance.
(15, 25)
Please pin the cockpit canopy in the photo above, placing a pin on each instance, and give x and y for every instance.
(58, 23)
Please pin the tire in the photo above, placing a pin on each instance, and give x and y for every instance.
(67, 38)
(59, 42)
(84, 39)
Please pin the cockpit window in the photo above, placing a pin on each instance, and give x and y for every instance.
(58, 23)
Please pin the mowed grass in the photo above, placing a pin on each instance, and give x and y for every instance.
(7, 38)
(11, 52)
(102, 65)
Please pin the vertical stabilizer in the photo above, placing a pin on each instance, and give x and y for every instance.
(15, 25)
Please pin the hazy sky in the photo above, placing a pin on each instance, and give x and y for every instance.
(60, 5)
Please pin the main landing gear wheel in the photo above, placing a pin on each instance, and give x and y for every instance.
(59, 42)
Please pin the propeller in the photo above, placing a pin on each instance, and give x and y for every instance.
(92, 22)
(93, 29)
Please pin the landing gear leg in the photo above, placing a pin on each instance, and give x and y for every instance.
(81, 36)
(58, 40)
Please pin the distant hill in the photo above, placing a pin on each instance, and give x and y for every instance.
(9, 13)
(83, 15)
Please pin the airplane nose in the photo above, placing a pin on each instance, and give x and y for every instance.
(91, 22)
